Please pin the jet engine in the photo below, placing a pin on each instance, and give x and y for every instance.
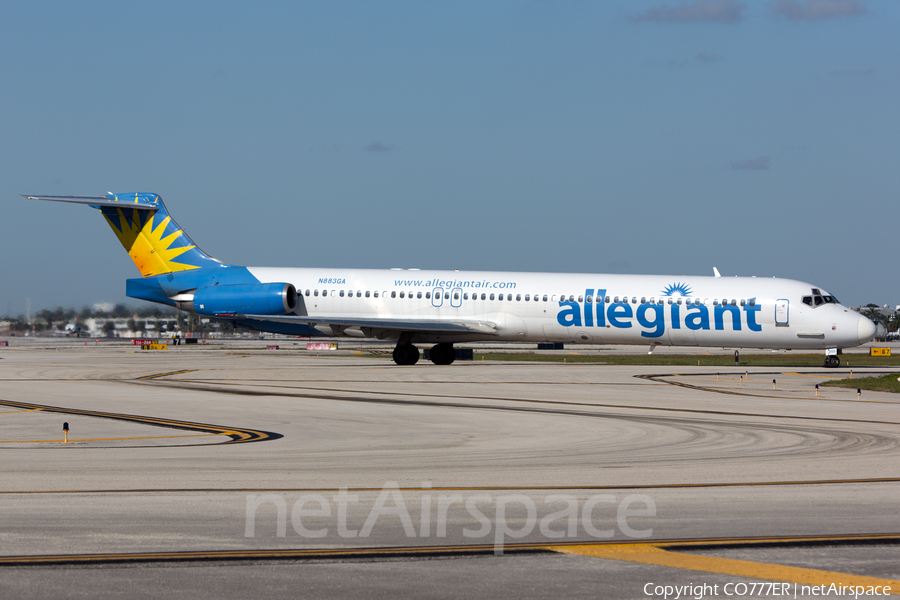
(256, 299)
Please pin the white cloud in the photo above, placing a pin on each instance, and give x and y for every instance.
(814, 10)
(717, 11)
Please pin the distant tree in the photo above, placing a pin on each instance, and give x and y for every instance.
(871, 311)
(46, 316)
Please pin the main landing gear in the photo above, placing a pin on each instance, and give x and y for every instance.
(440, 354)
(832, 362)
(406, 354)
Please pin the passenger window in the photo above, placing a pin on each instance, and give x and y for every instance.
(367, 293)
(552, 298)
(466, 296)
(616, 300)
(509, 297)
(428, 295)
(607, 299)
(483, 296)
(670, 301)
(316, 292)
(716, 302)
(678, 301)
(456, 295)
(393, 294)
(743, 302)
(527, 297)
(545, 297)
(518, 297)
(375, 294)
(492, 296)
(571, 298)
(307, 292)
(342, 293)
(581, 298)
(752, 301)
(643, 300)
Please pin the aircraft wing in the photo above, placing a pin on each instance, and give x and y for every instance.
(417, 325)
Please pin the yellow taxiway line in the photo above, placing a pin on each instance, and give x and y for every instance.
(654, 555)
(109, 439)
(660, 553)
(238, 435)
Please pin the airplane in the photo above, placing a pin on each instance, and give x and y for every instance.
(443, 308)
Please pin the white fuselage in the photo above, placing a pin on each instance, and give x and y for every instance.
(735, 312)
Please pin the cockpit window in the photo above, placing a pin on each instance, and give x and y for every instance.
(807, 300)
(819, 300)
(831, 300)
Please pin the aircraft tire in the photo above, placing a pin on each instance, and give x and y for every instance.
(832, 362)
(442, 354)
(406, 355)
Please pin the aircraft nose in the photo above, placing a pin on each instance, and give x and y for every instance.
(866, 330)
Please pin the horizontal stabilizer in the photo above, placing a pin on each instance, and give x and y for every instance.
(138, 201)
(418, 325)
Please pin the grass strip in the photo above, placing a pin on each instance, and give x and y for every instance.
(885, 383)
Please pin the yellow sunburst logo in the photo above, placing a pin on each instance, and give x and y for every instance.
(151, 252)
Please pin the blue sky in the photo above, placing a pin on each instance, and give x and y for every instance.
(762, 138)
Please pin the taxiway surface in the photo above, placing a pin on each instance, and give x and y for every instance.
(232, 467)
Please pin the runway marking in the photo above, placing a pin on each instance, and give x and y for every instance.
(237, 435)
(458, 550)
(500, 488)
(9, 412)
(148, 377)
(110, 439)
(653, 555)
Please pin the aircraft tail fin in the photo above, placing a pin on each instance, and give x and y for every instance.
(156, 244)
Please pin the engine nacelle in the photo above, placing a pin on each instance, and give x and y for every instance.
(257, 299)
